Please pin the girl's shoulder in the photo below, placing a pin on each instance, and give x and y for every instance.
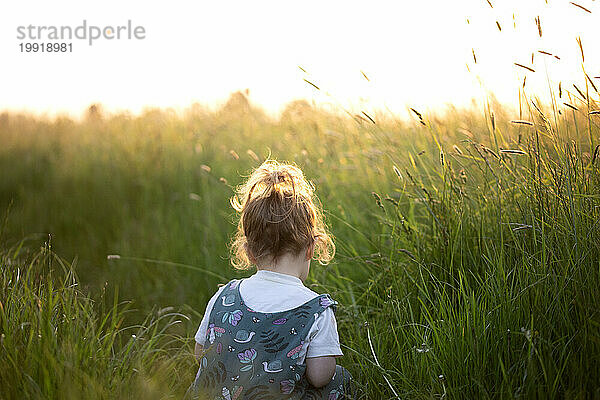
(231, 285)
(311, 299)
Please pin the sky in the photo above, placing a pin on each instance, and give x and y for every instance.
(414, 53)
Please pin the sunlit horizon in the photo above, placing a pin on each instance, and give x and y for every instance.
(372, 58)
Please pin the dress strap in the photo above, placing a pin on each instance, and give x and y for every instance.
(233, 284)
(325, 301)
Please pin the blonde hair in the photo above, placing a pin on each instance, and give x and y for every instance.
(279, 214)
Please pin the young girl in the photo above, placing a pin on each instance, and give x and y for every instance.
(269, 336)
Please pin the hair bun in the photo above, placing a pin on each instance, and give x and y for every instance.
(275, 178)
(279, 214)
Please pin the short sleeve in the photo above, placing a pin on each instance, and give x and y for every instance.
(323, 339)
(201, 333)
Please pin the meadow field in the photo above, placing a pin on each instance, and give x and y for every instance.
(468, 244)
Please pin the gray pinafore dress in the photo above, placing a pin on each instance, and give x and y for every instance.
(253, 355)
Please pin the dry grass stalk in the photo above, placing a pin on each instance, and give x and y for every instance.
(560, 90)
(522, 122)
(591, 82)
(579, 91)
(539, 25)
(359, 118)
(312, 84)
(538, 109)
(511, 151)
(523, 66)
(252, 155)
(571, 106)
(548, 54)
(595, 153)
(581, 48)
(490, 151)
(369, 117)
(377, 199)
(420, 116)
(582, 7)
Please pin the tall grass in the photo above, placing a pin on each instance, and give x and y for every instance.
(489, 283)
(57, 342)
(468, 245)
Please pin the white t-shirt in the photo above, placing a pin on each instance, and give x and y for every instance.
(262, 292)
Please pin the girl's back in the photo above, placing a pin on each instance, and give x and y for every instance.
(252, 354)
(268, 336)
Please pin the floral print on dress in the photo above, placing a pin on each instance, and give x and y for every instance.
(287, 386)
(326, 302)
(247, 356)
(233, 317)
(266, 366)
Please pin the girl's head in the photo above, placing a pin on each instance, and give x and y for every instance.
(279, 215)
